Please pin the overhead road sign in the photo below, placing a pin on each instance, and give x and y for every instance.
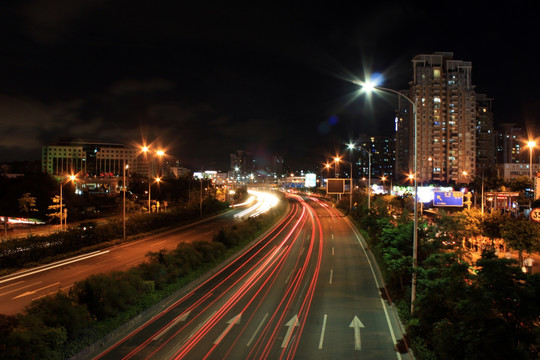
(335, 186)
(448, 198)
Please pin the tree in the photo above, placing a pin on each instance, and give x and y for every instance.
(521, 235)
(492, 224)
(27, 204)
(55, 207)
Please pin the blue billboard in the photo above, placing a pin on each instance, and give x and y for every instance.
(447, 198)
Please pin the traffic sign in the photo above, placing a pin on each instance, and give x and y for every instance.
(335, 186)
(447, 198)
(535, 214)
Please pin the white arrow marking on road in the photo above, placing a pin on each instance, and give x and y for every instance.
(357, 324)
(235, 320)
(34, 291)
(291, 325)
(182, 317)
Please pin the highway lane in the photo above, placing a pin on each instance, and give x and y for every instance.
(305, 291)
(19, 289)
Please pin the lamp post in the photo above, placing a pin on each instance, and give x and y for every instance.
(369, 87)
(70, 178)
(124, 201)
(160, 153)
(531, 144)
(336, 160)
(351, 148)
(369, 177)
(482, 193)
(327, 166)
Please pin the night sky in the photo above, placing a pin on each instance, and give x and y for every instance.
(204, 80)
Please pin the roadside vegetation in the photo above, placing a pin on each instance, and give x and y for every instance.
(481, 307)
(59, 326)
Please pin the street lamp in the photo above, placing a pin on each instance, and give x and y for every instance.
(124, 201)
(370, 87)
(160, 153)
(531, 144)
(70, 178)
(369, 176)
(482, 194)
(336, 160)
(351, 148)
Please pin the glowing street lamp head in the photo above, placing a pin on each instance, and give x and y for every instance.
(350, 146)
(72, 177)
(336, 159)
(327, 165)
(160, 153)
(145, 149)
(531, 144)
(411, 176)
(368, 86)
(158, 180)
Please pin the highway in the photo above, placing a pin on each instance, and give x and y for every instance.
(19, 289)
(306, 290)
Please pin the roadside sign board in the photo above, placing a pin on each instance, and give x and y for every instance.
(535, 214)
(335, 186)
(447, 198)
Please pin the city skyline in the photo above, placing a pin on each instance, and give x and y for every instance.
(207, 82)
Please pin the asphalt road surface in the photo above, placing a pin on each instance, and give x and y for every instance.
(308, 289)
(19, 289)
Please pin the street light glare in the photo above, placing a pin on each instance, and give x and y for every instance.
(368, 86)
(531, 143)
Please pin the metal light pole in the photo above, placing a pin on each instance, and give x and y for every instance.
(124, 201)
(336, 160)
(61, 205)
(531, 145)
(351, 148)
(71, 178)
(368, 87)
(369, 177)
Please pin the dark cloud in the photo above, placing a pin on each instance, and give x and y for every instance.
(209, 78)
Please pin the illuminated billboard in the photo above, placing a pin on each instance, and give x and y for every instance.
(311, 180)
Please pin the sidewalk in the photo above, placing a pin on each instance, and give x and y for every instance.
(514, 255)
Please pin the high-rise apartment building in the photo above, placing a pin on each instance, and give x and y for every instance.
(383, 159)
(485, 135)
(446, 117)
(242, 165)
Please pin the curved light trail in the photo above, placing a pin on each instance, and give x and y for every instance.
(260, 306)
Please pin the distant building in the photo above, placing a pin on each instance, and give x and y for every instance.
(101, 162)
(383, 156)
(511, 171)
(510, 143)
(242, 165)
(446, 119)
(277, 169)
(485, 135)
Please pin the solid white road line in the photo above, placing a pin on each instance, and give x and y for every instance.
(257, 330)
(322, 332)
